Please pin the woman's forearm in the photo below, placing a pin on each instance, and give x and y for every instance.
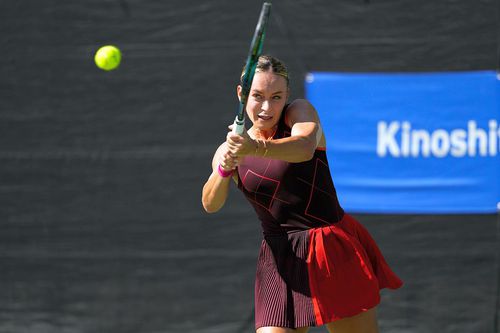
(215, 192)
(291, 149)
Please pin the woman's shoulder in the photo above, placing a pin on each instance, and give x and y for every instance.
(299, 109)
(297, 104)
(300, 102)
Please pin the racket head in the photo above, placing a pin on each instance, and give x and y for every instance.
(253, 55)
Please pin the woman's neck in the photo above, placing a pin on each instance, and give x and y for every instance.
(265, 134)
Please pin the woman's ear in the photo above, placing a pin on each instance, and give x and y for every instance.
(238, 91)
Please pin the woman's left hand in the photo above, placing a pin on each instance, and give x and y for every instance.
(240, 145)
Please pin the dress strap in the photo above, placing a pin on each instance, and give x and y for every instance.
(283, 130)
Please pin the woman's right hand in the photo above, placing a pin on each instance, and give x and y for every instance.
(227, 161)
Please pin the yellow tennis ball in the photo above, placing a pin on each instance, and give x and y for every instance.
(108, 57)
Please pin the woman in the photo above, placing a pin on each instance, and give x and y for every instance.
(317, 265)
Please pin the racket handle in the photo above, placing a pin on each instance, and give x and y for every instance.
(239, 125)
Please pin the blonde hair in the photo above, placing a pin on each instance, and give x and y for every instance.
(268, 63)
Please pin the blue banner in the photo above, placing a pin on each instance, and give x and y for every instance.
(413, 142)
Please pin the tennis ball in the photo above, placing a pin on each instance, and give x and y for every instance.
(108, 57)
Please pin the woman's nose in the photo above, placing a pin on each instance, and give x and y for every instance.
(265, 105)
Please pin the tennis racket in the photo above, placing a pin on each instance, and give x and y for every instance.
(251, 64)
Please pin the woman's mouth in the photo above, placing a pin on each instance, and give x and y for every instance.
(264, 117)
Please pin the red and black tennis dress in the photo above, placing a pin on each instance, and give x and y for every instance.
(316, 263)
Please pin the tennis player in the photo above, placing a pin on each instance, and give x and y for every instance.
(317, 265)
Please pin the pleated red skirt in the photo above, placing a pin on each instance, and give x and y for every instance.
(316, 276)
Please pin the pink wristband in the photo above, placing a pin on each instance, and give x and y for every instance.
(223, 173)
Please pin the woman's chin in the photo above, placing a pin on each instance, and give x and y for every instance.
(265, 125)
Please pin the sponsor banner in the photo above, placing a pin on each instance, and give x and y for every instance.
(413, 142)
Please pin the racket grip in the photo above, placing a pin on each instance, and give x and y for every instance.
(239, 126)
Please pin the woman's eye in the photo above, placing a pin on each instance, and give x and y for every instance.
(257, 96)
(277, 97)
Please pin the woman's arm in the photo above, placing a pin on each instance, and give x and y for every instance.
(306, 134)
(216, 188)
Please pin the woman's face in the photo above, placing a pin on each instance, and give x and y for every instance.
(266, 99)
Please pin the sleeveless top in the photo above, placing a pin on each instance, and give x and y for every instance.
(290, 197)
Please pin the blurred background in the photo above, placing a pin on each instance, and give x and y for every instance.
(101, 225)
